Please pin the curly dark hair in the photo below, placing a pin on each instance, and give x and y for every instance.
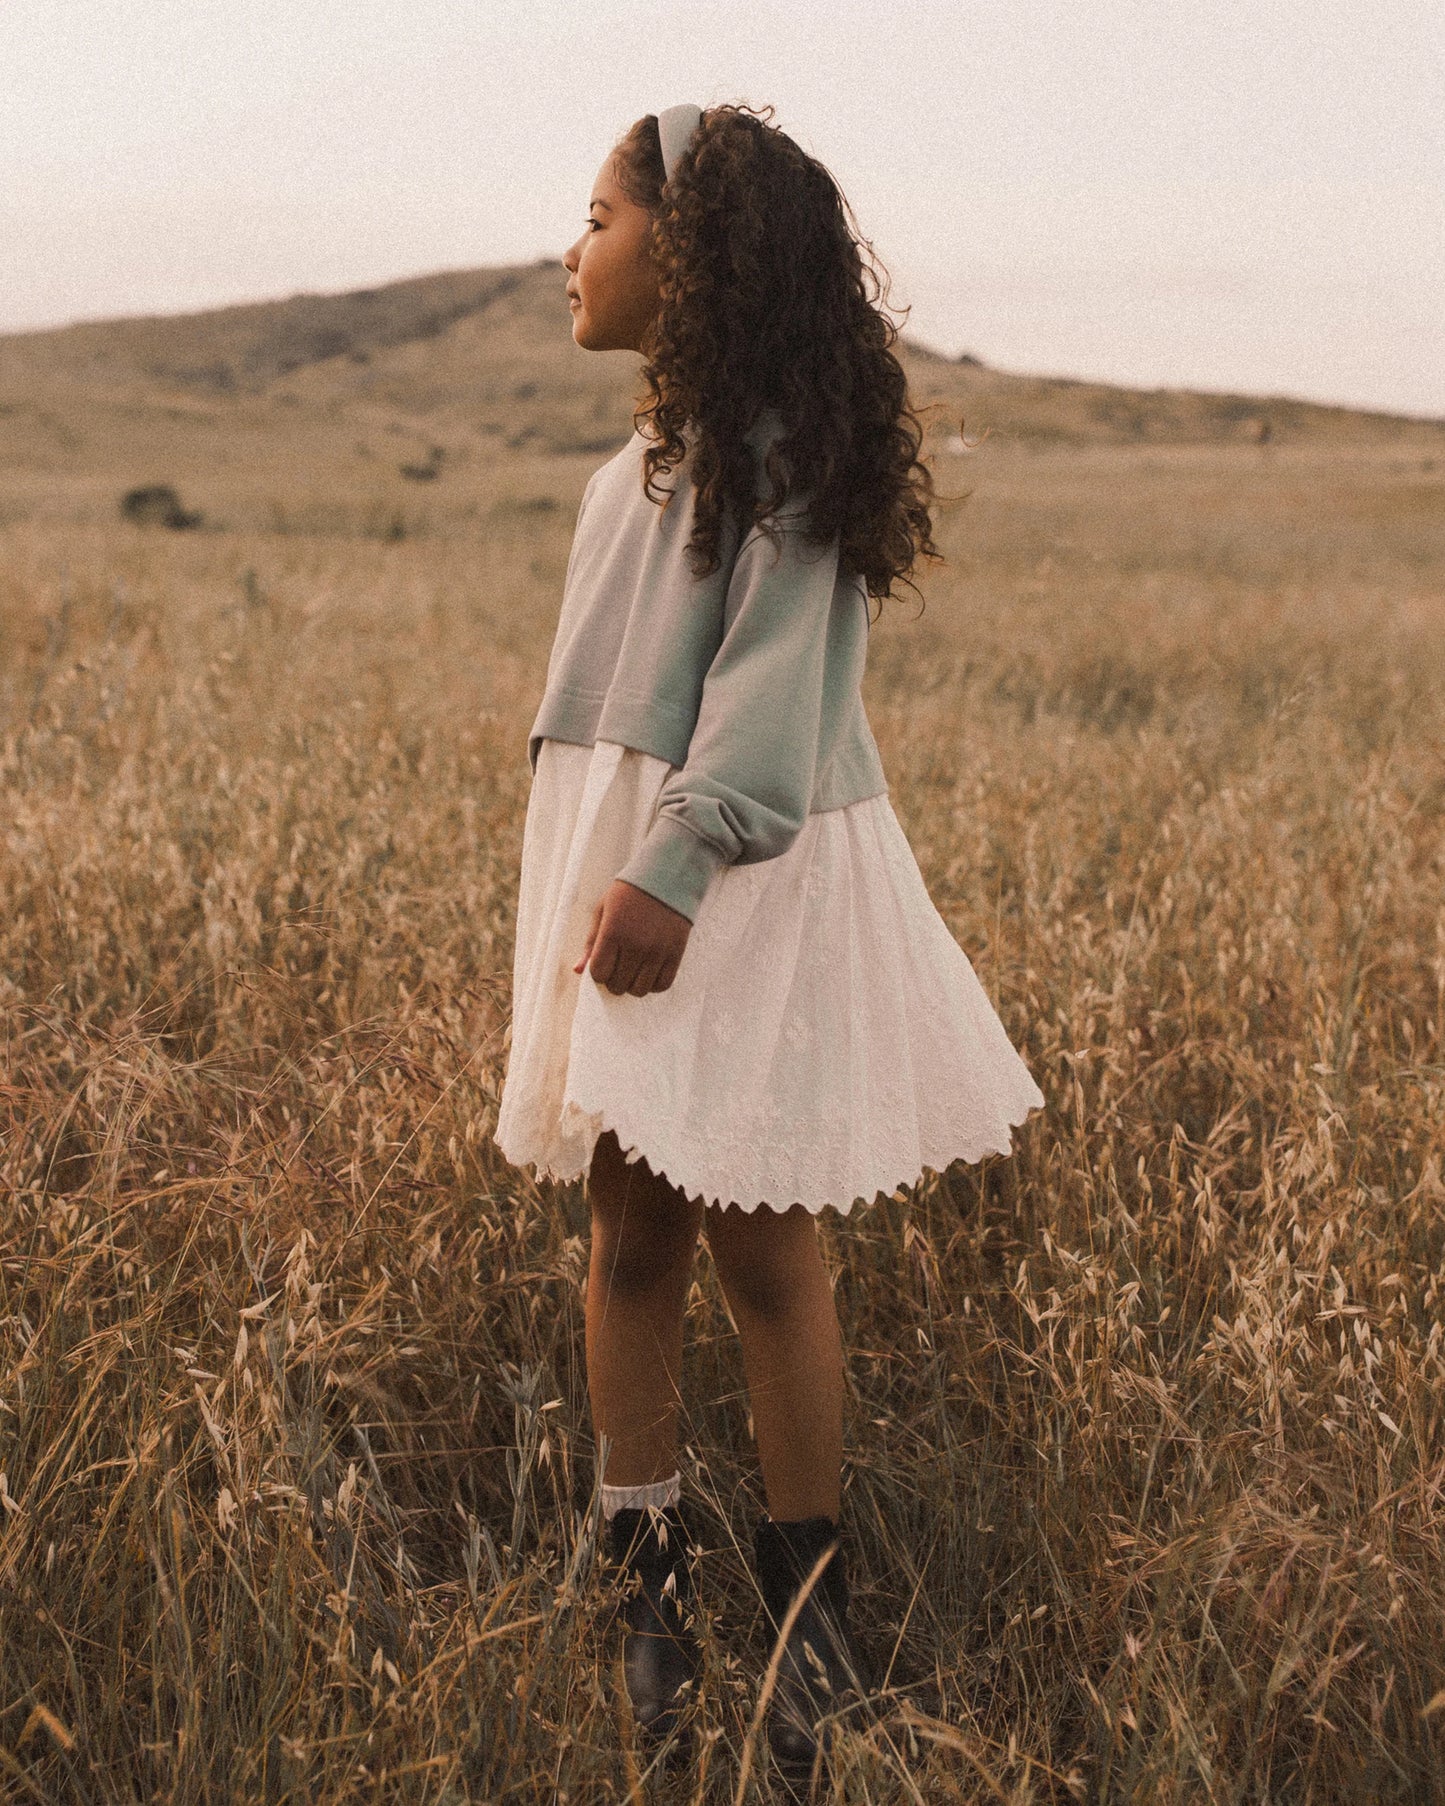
(764, 305)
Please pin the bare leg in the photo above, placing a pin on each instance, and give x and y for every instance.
(644, 1236)
(771, 1270)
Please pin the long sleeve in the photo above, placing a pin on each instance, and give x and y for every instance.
(793, 642)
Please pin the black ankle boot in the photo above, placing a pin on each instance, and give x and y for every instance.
(660, 1652)
(820, 1675)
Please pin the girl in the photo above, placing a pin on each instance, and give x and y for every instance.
(734, 1002)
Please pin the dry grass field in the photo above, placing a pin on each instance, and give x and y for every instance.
(1145, 1464)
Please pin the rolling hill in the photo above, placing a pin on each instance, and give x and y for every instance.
(460, 386)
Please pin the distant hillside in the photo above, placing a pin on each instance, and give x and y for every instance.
(454, 337)
(228, 349)
(426, 401)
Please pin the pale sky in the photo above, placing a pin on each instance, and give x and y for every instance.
(1221, 194)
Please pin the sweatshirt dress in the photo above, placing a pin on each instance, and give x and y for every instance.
(825, 1038)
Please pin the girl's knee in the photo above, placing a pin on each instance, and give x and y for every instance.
(763, 1259)
(636, 1257)
(644, 1234)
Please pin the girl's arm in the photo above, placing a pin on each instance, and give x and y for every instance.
(780, 688)
(793, 645)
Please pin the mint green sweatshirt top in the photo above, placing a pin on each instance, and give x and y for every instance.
(748, 680)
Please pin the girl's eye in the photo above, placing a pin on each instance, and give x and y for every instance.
(593, 222)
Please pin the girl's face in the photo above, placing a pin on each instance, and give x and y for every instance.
(613, 282)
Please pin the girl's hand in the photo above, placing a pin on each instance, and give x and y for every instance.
(635, 942)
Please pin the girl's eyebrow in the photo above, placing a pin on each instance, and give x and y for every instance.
(606, 204)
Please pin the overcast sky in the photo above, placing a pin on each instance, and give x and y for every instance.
(1224, 194)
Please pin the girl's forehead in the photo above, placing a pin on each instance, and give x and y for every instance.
(609, 191)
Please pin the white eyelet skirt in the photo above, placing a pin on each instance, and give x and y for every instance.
(825, 1038)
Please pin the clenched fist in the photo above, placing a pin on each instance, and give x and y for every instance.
(635, 942)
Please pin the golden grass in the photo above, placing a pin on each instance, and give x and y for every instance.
(1144, 1463)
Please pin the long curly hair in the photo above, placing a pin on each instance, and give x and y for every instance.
(764, 303)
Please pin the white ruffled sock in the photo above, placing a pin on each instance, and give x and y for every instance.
(630, 1498)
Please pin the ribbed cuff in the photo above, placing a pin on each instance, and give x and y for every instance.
(660, 1493)
(674, 865)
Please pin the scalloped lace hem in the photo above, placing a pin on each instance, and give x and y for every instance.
(581, 1127)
